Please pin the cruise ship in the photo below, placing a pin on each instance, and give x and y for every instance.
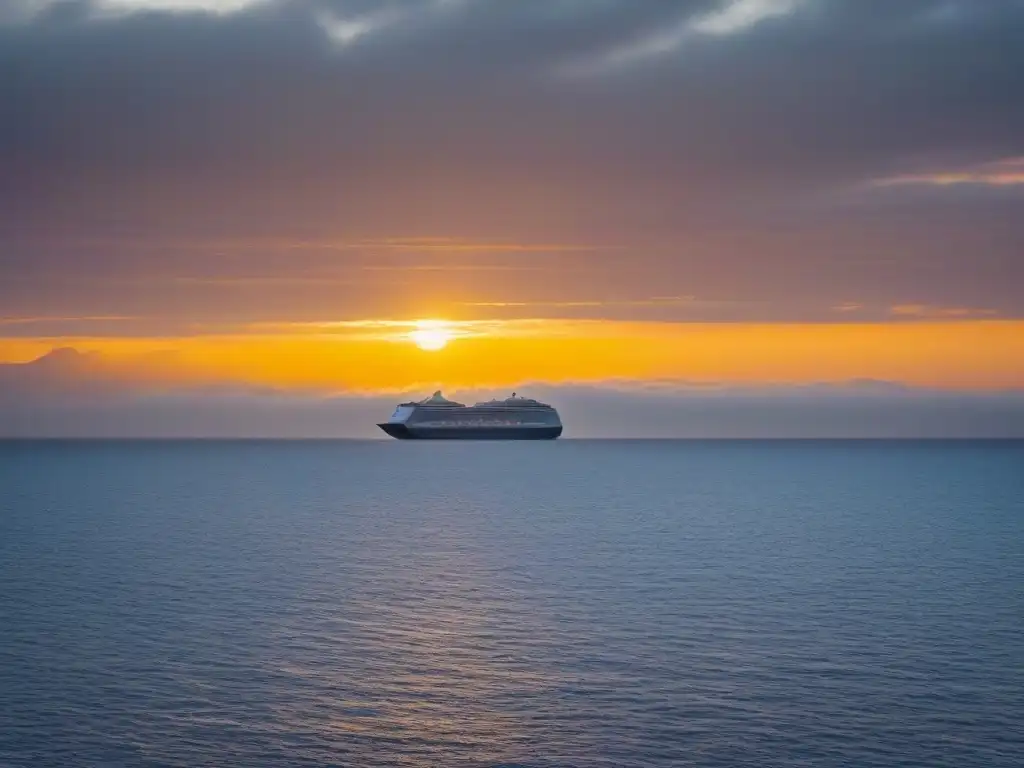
(437, 418)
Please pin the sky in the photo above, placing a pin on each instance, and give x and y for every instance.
(668, 218)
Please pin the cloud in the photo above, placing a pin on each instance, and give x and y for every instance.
(925, 311)
(848, 306)
(730, 17)
(48, 320)
(239, 164)
(343, 31)
(1008, 172)
(488, 56)
(740, 15)
(36, 401)
(26, 9)
(654, 301)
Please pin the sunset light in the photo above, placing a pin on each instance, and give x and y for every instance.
(431, 335)
(630, 207)
(435, 382)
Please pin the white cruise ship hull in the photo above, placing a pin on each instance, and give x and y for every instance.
(437, 418)
(412, 432)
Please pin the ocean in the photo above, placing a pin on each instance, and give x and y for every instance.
(572, 603)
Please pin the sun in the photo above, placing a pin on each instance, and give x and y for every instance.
(430, 339)
(431, 335)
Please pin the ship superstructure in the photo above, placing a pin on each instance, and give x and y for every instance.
(437, 418)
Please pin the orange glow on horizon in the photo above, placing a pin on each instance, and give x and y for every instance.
(363, 356)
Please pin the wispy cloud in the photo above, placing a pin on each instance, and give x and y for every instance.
(47, 319)
(248, 281)
(848, 306)
(1007, 172)
(730, 17)
(457, 245)
(344, 31)
(655, 301)
(327, 243)
(460, 268)
(106, 8)
(927, 311)
(399, 330)
(739, 15)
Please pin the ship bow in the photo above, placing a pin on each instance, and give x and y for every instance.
(399, 431)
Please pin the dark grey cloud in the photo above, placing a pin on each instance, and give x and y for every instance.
(837, 87)
(730, 166)
(70, 394)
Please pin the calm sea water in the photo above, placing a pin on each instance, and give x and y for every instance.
(510, 604)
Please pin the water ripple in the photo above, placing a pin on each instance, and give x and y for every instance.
(569, 604)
